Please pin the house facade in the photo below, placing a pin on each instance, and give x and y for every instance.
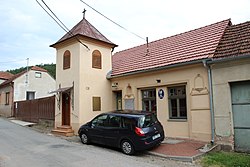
(27, 85)
(231, 88)
(168, 77)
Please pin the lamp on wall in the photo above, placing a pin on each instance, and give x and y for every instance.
(158, 80)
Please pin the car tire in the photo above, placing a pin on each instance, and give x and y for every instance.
(84, 138)
(127, 147)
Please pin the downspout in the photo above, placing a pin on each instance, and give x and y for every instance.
(209, 71)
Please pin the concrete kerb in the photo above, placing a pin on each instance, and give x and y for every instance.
(177, 158)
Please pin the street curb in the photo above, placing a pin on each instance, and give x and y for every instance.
(177, 158)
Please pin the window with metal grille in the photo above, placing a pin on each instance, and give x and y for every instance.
(66, 60)
(96, 59)
(177, 102)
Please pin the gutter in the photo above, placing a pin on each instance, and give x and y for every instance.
(109, 76)
(207, 64)
(209, 71)
(225, 59)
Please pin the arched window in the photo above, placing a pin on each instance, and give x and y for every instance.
(66, 59)
(96, 59)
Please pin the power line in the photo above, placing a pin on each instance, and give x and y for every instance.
(12, 61)
(59, 22)
(112, 20)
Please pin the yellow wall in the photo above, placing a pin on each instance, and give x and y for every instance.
(88, 81)
(197, 125)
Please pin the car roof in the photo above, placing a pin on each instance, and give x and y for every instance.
(129, 113)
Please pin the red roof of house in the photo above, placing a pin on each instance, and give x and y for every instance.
(193, 45)
(235, 41)
(86, 29)
(5, 75)
(35, 68)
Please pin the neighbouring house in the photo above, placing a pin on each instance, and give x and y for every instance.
(27, 85)
(5, 76)
(231, 88)
(168, 77)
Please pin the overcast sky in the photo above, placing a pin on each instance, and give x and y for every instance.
(26, 31)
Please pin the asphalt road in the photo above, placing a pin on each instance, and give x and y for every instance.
(24, 147)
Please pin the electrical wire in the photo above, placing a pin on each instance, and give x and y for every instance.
(12, 61)
(112, 20)
(59, 22)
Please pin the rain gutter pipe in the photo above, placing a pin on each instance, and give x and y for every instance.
(209, 71)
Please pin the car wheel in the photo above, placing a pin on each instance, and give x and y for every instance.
(127, 147)
(84, 138)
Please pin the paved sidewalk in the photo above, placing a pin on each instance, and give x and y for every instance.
(22, 123)
(180, 149)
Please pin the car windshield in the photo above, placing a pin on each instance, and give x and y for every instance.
(147, 121)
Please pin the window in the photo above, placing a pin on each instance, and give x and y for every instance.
(100, 121)
(114, 121)
(66, 60)
(30, 95)
(38, 74)
(149, 100)
(7, 98)
(177, 102)
(96, 59)
(96, 103)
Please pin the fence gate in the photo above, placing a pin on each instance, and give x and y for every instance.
(241, 115)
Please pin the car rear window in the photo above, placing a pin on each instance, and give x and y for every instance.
(147, 121)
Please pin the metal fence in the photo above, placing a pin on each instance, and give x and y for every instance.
(34, 110)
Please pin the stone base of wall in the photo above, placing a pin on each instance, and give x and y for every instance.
(225, 143)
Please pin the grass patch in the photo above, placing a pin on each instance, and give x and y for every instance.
(226, 159)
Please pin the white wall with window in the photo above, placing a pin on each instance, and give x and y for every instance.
(36, 84)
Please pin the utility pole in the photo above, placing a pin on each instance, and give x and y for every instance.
(27, 69)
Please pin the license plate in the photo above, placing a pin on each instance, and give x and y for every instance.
(156, 136)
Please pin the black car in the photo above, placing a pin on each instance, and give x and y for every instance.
(129, 130)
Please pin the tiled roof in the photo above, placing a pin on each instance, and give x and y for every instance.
(235, 41)
(86, 29)
(35, 68)
(5, 75)
(193, 45)
(12, 79)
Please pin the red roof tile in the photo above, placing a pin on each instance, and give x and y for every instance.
(197, 44)
(12, 79)
(235, 41)
(5, 75)
(35, 68)
(84, 28)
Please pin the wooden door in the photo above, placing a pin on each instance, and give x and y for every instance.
(65, 109)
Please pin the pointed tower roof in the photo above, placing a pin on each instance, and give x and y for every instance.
(84, 28)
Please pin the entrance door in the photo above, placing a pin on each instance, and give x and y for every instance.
(65, 109)
(119, 100)
(241, 114)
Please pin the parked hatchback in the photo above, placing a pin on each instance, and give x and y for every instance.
(129, 130)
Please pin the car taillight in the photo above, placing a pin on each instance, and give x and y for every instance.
(139, 131)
